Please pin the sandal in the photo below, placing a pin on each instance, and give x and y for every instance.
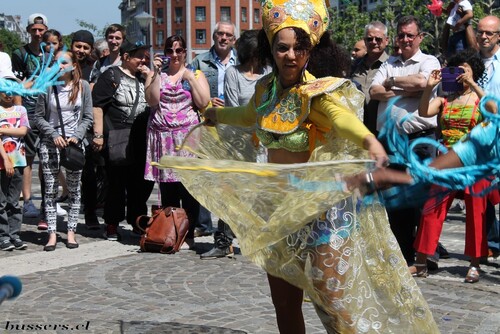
(418, 270)
(472, 275)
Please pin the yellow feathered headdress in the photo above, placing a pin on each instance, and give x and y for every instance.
(311, 16)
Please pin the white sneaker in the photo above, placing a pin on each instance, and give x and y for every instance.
(60, 211)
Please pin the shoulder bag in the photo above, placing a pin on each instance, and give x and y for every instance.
(165, 231)
(119, 151)
(72, 157)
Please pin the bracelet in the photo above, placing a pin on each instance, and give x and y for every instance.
(98, 136)
(370, 183)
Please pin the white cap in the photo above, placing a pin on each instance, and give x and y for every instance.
(38, 18)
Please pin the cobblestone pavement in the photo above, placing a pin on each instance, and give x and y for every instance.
(109, 287)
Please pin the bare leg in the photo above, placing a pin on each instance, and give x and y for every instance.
(287, 300)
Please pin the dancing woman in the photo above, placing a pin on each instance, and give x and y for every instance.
(346, 258)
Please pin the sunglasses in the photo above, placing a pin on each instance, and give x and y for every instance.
(487, 33)
(377, 39)
(221, 34)
(409, 36)
(171, 51)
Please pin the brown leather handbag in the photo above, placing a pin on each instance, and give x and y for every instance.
(165, 231)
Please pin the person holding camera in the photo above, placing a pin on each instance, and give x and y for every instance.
(458, 113)
(174, 94)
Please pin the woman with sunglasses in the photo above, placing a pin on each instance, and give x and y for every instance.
(175, 94)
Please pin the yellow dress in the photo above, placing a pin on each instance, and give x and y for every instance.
(298, 221)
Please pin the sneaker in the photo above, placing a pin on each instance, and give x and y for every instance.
(30, 210)
(111, 233)
(19, 244)
(6, 245)
(215, 253)
(42, 225)
(60, 211)
(457, 206)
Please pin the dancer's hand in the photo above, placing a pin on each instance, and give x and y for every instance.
(376, 151)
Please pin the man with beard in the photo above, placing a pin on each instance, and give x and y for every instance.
(82, 44)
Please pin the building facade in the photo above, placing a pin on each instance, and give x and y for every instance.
(194, 20)
(13, 24)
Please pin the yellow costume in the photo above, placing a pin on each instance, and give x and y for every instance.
(298, 221)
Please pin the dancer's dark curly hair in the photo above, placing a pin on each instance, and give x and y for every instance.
(326, 58)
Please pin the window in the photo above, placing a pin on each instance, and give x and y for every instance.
(225, 14)
(159, 15)
(256, 16)
(178, 14)
(200, 14)
(159, 38)
(243, 14)
(179, 32)
(201, 36)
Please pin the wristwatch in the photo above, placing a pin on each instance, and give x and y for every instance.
(391, 82)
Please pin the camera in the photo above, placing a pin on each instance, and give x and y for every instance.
(165, 64)
(449, 77)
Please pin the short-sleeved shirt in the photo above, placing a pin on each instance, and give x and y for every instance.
(420, 63)
(492, 70)
(24, 65)
(117, 101)
(238, 89)
(454, 16)
(14, 146)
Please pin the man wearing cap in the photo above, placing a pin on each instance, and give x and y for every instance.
(82, 44)
(25, 61)
(119, 103)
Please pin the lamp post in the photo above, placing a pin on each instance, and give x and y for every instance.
(145, 19)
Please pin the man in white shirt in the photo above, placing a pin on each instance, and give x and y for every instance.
(406, 75)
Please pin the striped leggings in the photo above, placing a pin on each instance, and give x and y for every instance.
(49, 158)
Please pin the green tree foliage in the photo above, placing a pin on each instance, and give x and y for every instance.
(96, 31)
(10, 41)
(349, 22)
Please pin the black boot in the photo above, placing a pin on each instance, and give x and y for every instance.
(223, 243)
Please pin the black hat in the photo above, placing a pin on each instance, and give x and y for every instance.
(84, 36)
(128, 46)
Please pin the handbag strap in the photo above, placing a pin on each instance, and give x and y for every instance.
(131, 116)
(59, 111)
(136, 102)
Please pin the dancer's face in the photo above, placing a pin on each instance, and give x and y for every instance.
(290, 60)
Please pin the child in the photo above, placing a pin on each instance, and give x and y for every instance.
(14, 125)
(458, 20)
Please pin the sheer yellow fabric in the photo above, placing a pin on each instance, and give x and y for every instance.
(347, 261)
